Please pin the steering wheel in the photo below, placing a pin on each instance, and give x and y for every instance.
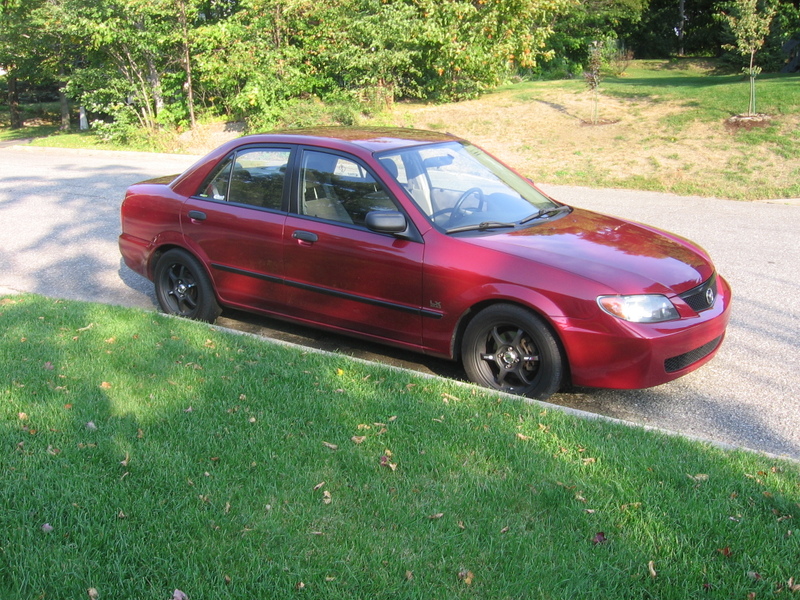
(457, 207)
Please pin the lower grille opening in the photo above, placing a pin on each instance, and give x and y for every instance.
(676, 363)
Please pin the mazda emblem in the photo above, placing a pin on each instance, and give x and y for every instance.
(710, 296)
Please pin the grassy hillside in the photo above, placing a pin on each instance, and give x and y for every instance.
(662, 127)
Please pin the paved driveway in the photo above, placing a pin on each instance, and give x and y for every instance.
(58, 237)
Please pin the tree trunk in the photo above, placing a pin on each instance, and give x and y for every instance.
(64, 103)
(65, 120)
(14, 112)
(187, 62)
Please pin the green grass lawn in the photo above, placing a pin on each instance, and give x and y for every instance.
(140, 454)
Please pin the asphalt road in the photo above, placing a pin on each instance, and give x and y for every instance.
(59, 222)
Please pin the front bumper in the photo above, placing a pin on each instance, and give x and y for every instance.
(621, 355)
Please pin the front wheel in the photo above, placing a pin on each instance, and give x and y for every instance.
(183, 288)
(509, 348)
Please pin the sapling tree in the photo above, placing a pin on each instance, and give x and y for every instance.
(593, 76)
(750, 26)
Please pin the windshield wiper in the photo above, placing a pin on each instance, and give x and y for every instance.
(544, 213)
(481, 226)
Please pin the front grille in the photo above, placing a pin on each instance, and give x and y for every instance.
(698, 297)
(676, 363)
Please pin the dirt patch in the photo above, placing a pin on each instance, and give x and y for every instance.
(748, 122)
(207, 136)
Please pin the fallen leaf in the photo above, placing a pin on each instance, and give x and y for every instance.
(125, 462)
(326, 497)
(386, 463)
(589, 461)
(409, 575)
(599, 538)
(105, 386)
(651, 567)
(121, 515)
(699, 478)
(227, 579)
(504, 529)
(523, 437)
(436, 516)
(319, 485)
(331, 446)
(91, 426)
(48, 366)
(726, 551)
(47, 528)
(754, 575)
(92, 592)
(179, 595)
(358, 439)
(139, 433)
(466, 576)
(299, 585)
(53, 451)
(792, 586)
(22, 416)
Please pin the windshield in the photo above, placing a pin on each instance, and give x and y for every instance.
(461, 188)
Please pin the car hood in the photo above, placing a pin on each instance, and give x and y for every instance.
(626, 257)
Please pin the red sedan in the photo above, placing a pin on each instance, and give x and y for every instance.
(422, 240)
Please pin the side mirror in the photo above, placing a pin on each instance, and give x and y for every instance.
(386, 221)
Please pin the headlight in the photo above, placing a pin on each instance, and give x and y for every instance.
(652, 308)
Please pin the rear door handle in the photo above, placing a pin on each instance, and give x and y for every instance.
(197, 215)
(305, 236)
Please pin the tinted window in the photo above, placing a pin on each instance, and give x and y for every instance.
(253, 176)
(216, 186)
(339, 189)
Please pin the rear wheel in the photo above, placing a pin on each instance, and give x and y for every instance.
(509, 348)
(183, 288)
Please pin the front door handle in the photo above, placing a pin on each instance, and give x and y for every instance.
(305, 236)
(196, 215)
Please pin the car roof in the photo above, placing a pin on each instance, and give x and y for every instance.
(371, 139)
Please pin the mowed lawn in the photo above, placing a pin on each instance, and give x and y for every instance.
(141, 454)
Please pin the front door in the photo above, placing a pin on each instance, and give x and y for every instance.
(338, 272)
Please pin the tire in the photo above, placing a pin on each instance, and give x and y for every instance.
(183, 288)
(508, 348)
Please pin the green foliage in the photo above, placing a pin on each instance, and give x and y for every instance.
(750, 25)
(147, 63)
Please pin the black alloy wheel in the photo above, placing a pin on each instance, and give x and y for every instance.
(509, 348)
(183, 288)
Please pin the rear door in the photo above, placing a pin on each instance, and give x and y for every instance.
(235, 223)
(338, 272)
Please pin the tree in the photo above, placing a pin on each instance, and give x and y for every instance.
(17, 51)
(750, 27)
